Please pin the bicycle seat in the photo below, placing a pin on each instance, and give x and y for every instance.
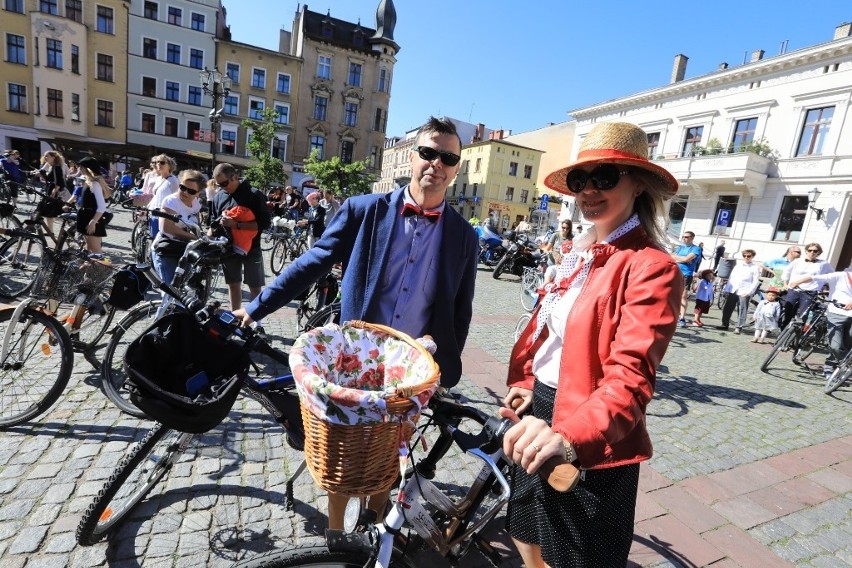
(70, 216)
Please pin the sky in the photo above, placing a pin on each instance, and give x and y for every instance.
(521, 66)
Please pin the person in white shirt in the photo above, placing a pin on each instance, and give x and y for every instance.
(742, 284)
(839, 318)
(160, 183)
(809, 265)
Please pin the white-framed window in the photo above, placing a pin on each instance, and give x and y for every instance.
(282, 113)
(16, 49)
(355, 72)
(256, 107)
(172, 91)
(231, 105)
(324, 67)
(17, 98)
(814, 131)
(170, 126)
(384, 80)
(258, 77)
(320, 107)
(105, 23)
(175, 16)
(282, 85)
(279, 147)
(196, 58)
(791, 218)
(197, 22)
(149, 123)
(317, 143)
(228, 140)
(347, 150)
(151, 10)
(173, 53)
(232, 70)
(104, 115)
(350, 113)
(195, 96)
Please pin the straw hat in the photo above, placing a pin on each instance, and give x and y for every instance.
(613, 143)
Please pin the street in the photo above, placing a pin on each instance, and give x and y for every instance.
(750, 468)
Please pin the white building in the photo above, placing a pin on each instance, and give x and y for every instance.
(709, 132)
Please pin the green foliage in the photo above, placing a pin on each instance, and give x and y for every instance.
(268, 170)
(714, 146)
(475, 221)
(343, 179)
(760, 147)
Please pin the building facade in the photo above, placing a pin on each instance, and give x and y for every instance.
(750, 144)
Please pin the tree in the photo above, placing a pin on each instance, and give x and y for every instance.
(268, 170)
(343, 179)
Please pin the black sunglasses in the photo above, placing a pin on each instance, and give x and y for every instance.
(158, 163)
(223, 183)
(603, 177)
(188, 190)
(429, 154)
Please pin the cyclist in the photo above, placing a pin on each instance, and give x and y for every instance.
(795, 302)
(839, 320)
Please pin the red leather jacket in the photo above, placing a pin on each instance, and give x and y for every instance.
(619, 329)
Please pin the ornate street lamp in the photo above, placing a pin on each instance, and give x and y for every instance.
(218, 86)
(813, 195)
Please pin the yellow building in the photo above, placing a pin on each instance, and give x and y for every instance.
(497, 179)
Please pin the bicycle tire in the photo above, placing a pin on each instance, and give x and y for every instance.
(326, 315)
(10, 222)
(96, 322)
(267, 239)
(523, 321)
(810, 340)
(317, 556)
(278, 258)
(20, 259)
(113, 374)
(134, 477)
(529, 290)
(783, 342)
(36, 369)
(841, 374)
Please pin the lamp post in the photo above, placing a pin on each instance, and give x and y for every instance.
(218, 86)
(813, 195)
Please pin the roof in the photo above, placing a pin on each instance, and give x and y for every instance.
(343, 33)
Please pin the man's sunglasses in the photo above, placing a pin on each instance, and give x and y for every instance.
(159, 163)
(188, 190)
(603, 177)
(429, 154)
(223, 183)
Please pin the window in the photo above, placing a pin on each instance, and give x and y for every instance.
(54, 53)
(478, 165)
(381, 120)
(151, 9)
(324, 67)
(791, 218)
(383, 81)
(16, 49)
(677, 213)
(743, 133)
(229, 142)
(192, 130)
(233, 71)
(374, 156)
(15, 6)
(172, 91)
(48, 7)
(283, 83)
(475, 189)
(653, 145)
(282, 115)
(175, 16)
(525, 195)
(279, 149)
(170, 127)
(814, 131)
(198, 22)
(354, 74)
(318, 144)
(173, 53)
(320, 107)
(75, 107)
(510, 194)
(104, 71)
(54, 103)
(350, 114)
(258, 78)
(149, 48)
(256, 107)
(196, 58)
(692, 139)
(723, 218)
(513, 168)
(104, 117)
(149, 123)
(232, 105)
(74, 10)
(347, 148)
(105, 23)
(75, 59)
(195, 96)
(527, 172)
(149, 86)
(17, 98)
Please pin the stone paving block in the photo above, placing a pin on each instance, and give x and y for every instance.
(64, 542)
(690, 511)
(743, 512)
(678, 540)
(805, 491)
(28, 540)
(737, 545)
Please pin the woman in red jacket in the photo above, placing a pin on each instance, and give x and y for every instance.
(584, 368)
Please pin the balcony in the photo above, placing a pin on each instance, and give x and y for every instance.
(701, 173)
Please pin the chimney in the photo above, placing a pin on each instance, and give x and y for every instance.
(480, 131)
(756, 55)
(679, 69)
(843, 30)
(723, 65)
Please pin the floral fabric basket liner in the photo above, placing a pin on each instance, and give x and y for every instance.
(346, 375)
(140, 198)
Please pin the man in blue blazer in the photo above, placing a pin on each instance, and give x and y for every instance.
(409, 258)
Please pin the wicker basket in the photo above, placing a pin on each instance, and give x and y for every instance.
(362, 458)
(62, 276)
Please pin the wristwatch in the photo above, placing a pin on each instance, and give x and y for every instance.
(570, 452)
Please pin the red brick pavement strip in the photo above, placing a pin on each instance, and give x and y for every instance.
(703, 521)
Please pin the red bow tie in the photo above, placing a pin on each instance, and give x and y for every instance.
(410, 209)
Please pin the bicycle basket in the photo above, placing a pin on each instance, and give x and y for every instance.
(128, 288)
(181, 375)
(361, 387)
(58, 276)
(141, 199)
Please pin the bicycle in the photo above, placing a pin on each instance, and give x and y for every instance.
(149, 461)
(531, 280)
(791, 337)
(842, 373)
(36, 357)
(522, 324)
(321, 293)
(289, 245)
(440, 523)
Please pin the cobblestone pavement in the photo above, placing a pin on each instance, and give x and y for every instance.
(750, 469)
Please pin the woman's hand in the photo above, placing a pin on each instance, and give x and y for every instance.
(91, 227)
(530, 442)
(242, 315)
(518, 399)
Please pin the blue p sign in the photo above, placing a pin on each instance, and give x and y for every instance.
(724, 218)
(544, 199)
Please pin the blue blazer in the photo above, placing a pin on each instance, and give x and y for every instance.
(359, 236)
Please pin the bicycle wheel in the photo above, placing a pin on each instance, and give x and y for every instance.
(529, 287)
(783, 343)
(841, 374)
(523, 321)
(10, 222)
(810, 340)
(134, 477)
(328, 314)
(267, 239)
(317, 556)
(279, 256)
(20, 258)
(37, 366)
(297, 248)
(97, 318)
(113, 374)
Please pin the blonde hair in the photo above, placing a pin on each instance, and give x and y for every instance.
(169, 161)
(650, 204)
(58, 160)
(193, 175)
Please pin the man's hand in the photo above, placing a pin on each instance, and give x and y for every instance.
(245, 319)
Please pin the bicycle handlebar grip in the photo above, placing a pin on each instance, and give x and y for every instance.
(559, 474)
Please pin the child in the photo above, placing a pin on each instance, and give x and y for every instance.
(703, 295)
(766, 316)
